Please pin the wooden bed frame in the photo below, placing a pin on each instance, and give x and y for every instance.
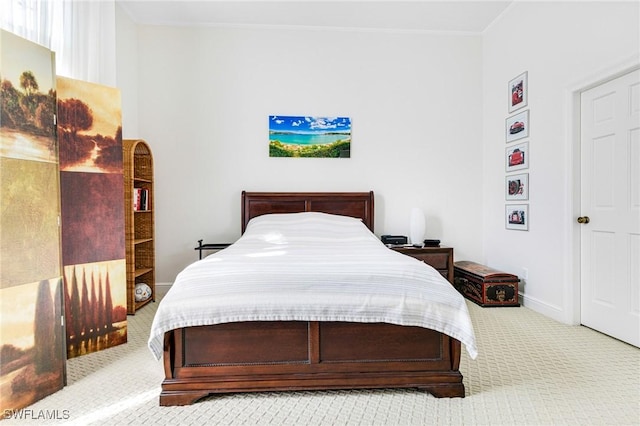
(298, 355)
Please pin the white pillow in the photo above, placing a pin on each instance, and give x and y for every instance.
(305, 217)
(306, 226)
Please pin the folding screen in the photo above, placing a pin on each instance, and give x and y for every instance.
(32, 347)
(92, 190)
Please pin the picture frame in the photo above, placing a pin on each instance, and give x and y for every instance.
(519, 92)
(309, 136)
(517, 217)
(517, 157)
(517, 187)
(517, 126)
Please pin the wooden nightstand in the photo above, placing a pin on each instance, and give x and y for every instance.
(441, 258)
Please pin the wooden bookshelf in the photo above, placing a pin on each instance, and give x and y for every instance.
(139, 221)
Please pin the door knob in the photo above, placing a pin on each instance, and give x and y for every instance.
(583, 219)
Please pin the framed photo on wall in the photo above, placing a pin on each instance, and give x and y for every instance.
(517, 157)
(518, 92)
(517, 126)
(309, 136)
(517, 187)
(517, 217)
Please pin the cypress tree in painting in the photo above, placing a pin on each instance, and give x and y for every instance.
(43, 330)
(58, 338)
(108, 304)
(95, 324)
(100, 307)
(76, 318)
(67, 310)
(85, 313)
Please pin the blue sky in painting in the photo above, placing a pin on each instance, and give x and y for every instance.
(287, 123)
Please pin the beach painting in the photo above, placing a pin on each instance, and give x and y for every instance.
(305, 136)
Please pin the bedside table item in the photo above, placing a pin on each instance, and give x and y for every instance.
(211, 246)
(416, 226)
(440, 258)
(393, 239)
(485, 286)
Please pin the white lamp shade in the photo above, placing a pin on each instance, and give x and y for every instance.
(417, 226)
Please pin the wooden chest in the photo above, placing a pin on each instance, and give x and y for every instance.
(485, 286)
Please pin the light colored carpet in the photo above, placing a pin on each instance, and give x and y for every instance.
(531, 371)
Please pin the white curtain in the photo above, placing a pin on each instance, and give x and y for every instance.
(80, 32)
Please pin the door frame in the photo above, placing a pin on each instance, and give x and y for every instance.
(572, 208)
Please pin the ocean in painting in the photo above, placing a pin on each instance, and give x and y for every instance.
(308, 139)
(306, 130)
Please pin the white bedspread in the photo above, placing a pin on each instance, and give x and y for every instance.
(311, 267)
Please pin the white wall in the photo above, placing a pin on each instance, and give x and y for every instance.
(428, 117)
(560, 45)
(205, 94)
(127, 71)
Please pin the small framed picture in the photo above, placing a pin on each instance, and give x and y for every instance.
(517, 157)
(517, 126)
(517, 216)
(517, 187)
(518, 92)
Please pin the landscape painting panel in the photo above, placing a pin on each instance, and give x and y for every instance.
(95, 308)
(32, 347)
(30, 233)
(27, 100)
(308, 136)
(32, 353)
(92, 202)
(89, 127)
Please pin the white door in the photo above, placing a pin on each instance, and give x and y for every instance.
(610, 199)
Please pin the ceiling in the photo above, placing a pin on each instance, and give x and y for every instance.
(413, 16)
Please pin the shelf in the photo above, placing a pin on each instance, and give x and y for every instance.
(144, 302)
(142, 240)
(141, 271)
(139, 224)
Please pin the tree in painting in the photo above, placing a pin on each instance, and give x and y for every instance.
(92, 319)
(44, 330)
(103, 152)
(29, 111)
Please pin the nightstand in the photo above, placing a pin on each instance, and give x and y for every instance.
(441, 258)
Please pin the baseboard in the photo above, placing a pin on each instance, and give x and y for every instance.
(163, 287)
(551, 311)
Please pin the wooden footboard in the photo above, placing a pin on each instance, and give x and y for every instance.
(277, 356)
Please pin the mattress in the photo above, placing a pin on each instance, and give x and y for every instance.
(311, 267)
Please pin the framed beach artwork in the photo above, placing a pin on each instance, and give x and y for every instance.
(517, 126)
(518, 92)
(517, 157)
(309, 136)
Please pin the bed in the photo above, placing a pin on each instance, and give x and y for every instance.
(221, 327)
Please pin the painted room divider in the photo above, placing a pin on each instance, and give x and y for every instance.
(62, 252)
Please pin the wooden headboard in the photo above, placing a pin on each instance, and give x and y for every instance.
(354, 204)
